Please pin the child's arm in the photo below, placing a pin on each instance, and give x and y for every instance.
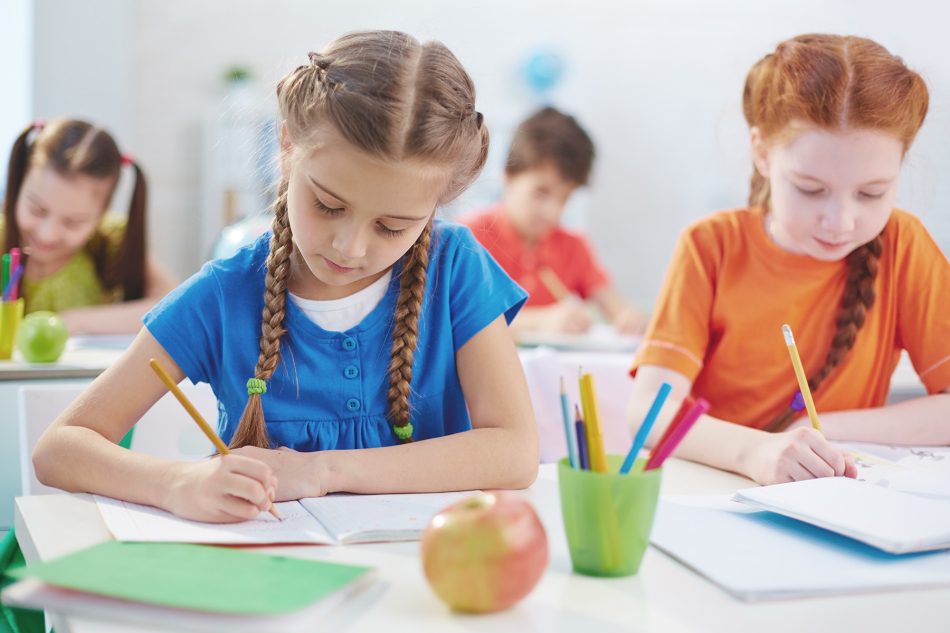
(125, 317)
(79, 452)
(623, 315)
(767, 458)
(919, 422)
(501, 450)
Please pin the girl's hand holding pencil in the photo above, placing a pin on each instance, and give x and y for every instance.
(226, 490)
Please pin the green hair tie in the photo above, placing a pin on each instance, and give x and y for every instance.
(256, 385)
(403, 432)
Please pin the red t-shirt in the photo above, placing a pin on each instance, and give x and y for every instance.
(569, 255)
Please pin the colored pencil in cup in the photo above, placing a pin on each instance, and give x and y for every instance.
(641, 437)
(14, 264)
(665, 450)
(569, 431)
(9, 291)
(595, 430)
(190, 408)
(583, 461)
(5, 272)
(685, 406)
(800, 375)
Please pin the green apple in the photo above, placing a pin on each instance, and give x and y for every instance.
(41, 336)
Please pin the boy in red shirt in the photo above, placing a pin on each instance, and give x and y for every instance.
(550, 157)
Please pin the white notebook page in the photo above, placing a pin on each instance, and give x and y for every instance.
(894, 521)
(759, 555)
(139, 523)
(367, 518)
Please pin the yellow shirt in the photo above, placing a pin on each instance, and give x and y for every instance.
(76, 284)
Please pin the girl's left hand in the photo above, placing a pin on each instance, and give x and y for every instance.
(297, 473)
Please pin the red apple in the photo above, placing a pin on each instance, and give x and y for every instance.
(485, 553)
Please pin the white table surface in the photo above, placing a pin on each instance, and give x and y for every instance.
(663, 596)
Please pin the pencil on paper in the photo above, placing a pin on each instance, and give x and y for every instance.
(190, 408)
(800, 375)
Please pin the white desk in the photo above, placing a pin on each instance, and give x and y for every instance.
(665, 596)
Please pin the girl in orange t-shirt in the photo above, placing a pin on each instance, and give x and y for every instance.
(820, 248)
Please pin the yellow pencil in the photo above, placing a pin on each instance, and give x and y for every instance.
(190, 408)
(595, 430)
(553, 283)
(802, 380)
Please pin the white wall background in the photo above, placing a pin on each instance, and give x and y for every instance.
(16, 72)
(656, 82)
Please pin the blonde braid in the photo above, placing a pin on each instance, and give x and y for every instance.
(856, 300)
(406, 332)
(252, 430)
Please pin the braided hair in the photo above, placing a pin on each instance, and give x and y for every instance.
(857, 298)
(833, 82)
(393, 98)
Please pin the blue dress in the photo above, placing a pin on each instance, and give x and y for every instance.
(329, 391)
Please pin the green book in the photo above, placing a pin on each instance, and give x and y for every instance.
(197, 578)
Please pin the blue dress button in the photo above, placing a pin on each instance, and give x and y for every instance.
(353, 404)
(351, 371)
(349, 343)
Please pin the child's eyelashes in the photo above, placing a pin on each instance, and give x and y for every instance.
(385, 230)
(328, 210)
(871, 196)
(810, 192)
(382, 228)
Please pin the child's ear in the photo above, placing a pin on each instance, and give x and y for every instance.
(760, 152)
(286, 152)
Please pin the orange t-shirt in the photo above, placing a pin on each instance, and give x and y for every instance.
(729, 289)
(567, 254)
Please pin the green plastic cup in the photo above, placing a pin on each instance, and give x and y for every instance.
(608, 517)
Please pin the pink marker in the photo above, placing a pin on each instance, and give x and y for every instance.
(14, 262)
(666, 449)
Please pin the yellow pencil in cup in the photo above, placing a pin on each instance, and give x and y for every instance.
(190, 408)
(802, 380)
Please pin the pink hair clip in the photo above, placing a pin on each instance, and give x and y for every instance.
(128, 159)
(38, 124)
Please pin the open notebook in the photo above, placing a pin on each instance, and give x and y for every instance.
(759, 555)
(334, 519)
(892, 520)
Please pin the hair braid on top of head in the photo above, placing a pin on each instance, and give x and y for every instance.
(856, 300)
(833, 83)
(252, 430)
(395, 99)
(406, 333)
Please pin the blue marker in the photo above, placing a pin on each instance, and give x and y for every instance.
(644, 431)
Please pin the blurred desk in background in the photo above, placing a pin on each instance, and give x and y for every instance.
(85, 358)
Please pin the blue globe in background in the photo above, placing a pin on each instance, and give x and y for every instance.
(542, 70)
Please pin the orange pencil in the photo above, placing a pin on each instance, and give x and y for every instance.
(190, 408)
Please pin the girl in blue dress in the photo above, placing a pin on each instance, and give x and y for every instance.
(362, 346)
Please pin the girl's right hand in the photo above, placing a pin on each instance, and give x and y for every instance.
(226, 489)
(796, 455)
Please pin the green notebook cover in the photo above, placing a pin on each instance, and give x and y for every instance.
(196, 577)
